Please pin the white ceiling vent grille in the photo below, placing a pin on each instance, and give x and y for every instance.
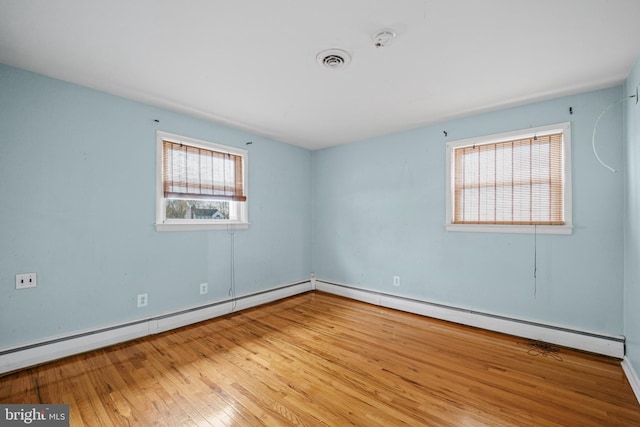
(334, 58)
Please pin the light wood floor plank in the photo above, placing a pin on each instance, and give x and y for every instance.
(321, 360)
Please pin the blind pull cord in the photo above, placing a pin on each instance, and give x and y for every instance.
(232, 267)
(535, 261)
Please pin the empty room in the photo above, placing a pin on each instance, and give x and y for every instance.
(320, 213)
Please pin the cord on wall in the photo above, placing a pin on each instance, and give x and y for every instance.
(535, 261)
(595, 127)
(232, 268)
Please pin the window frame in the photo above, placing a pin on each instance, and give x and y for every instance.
(164, 224)
(566, 228)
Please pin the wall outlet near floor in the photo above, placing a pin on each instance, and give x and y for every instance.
(396, 280)
(26, 280)
(204, 288)
(143, 300)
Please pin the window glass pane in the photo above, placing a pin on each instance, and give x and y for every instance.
(197, 209)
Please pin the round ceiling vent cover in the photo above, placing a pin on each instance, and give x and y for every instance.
(334, 58)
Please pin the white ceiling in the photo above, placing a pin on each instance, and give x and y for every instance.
(252, 64)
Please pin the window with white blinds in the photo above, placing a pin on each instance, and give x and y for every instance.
(199, 173)
(201, 185)
(511, 182)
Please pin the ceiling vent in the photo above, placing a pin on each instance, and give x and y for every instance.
(334, 58)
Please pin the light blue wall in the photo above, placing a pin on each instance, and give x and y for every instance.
(379, 211)
(632, 221)
(77, 191)
(77, 180)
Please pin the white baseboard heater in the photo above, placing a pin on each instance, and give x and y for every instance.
(23, 356)
(582, 340)
(30, 354)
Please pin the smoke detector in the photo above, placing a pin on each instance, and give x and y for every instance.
(383, 37)
(334, 58)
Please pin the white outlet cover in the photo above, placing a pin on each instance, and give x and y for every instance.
(143, 300)
(204, 288)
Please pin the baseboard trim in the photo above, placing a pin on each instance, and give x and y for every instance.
(632, 377)
(23, 356)
(582, 340)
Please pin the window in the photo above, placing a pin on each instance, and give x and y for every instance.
(200, 185)
(513, 182)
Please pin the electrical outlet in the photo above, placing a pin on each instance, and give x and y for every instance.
(143, 300)
(204, 288)
(396, 280)
(26, 280)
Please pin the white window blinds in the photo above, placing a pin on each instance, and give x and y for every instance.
(518, 182)
(197, 173)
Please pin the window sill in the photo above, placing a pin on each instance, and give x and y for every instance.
(201, 226)
(521, 229)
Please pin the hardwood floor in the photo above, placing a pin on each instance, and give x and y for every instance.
(321, 360)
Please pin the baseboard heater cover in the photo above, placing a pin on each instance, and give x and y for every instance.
(632, 376)
(23, 356)
(581, 340)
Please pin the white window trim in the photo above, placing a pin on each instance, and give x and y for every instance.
(203, 224)
(567, 228)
